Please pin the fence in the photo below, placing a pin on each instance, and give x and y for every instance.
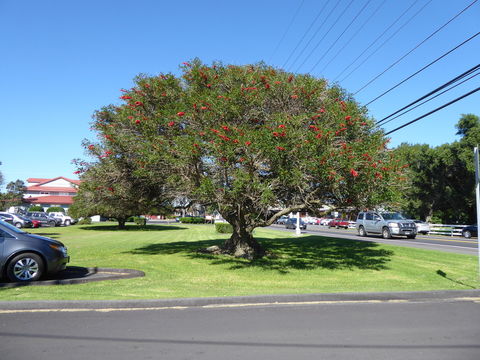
(449, 230)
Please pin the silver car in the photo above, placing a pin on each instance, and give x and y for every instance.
(17, 220)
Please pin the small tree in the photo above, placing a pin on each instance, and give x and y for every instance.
(111, 188)
(249, 139)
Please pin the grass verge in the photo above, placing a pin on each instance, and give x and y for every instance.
(309, 264)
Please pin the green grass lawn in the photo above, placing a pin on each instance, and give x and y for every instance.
(308, 264)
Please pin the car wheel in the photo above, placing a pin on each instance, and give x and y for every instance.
(386, 233)
(25, 267)
(361, 231)
(411, 236)
(467, 234)
(18, 225)
(67, 223)
(52, 223)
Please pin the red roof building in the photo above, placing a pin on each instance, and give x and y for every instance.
(58, 191)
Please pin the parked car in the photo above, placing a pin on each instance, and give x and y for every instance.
(27, 257)
(422, 227)
(325, 221)
(18, 220)
(63, 219)
(36, 224)
(282, 220)
(44, 219)
(9, 220)
(311, 220)
(469, 231)
(386, 224)
(339, 223)
(292, 224)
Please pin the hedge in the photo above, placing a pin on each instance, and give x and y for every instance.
(192, 220)
(56, 209)
(224, 228)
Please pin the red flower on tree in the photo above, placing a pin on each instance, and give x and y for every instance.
(354, 173)
(181, 113)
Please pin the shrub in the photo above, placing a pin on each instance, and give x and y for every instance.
(140, 220)
(35, 208)
(85, 221)
(224, 228)
(192, 220)
(56, 209)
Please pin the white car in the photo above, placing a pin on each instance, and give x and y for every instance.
(66, 220)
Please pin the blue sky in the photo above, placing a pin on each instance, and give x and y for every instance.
(62, 60)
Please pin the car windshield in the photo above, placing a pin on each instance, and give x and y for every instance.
(392, 216)
(23, 217)
(11, 227)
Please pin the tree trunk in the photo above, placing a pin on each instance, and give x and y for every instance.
(121, 223)
(241, 243)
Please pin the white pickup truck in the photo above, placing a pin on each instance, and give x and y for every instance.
(66, 220)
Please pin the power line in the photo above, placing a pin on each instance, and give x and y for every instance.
(441, 87)
(422, 69)
(416, 47)
(374, 41)
(339, 36)
(355, 34)
(434, 111)
(288, 28)
(434, 97)
(328, 31)
(308, 30)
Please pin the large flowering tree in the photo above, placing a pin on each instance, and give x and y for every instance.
(251, 139)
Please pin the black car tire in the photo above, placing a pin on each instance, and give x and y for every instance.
(18, 225)
(467, 234)
(411, 236)
(52, 223)
(25, 267)
(361, 231)
(67, 223)
(386, 233)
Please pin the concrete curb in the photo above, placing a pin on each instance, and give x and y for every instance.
(450, 295)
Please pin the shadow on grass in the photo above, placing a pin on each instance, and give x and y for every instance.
(132, 227)
(306, 253)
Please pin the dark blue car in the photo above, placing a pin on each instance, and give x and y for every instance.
(469, 231)
(27, 257)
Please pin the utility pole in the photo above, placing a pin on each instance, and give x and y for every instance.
(477, 199)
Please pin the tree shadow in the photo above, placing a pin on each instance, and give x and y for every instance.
(131, 227)
(286, 254)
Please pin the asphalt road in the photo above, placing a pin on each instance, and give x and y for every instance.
(411, 329)
(454, 244)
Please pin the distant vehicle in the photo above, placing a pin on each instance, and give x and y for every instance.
(386, 224)
(310, 220)
(339, 223)
(27, 257)
(325, 221)
(292, 224)
(64, 219)
(18, 220)
(282, 220)
(422, 227)
(44, 219)
(469, 231)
